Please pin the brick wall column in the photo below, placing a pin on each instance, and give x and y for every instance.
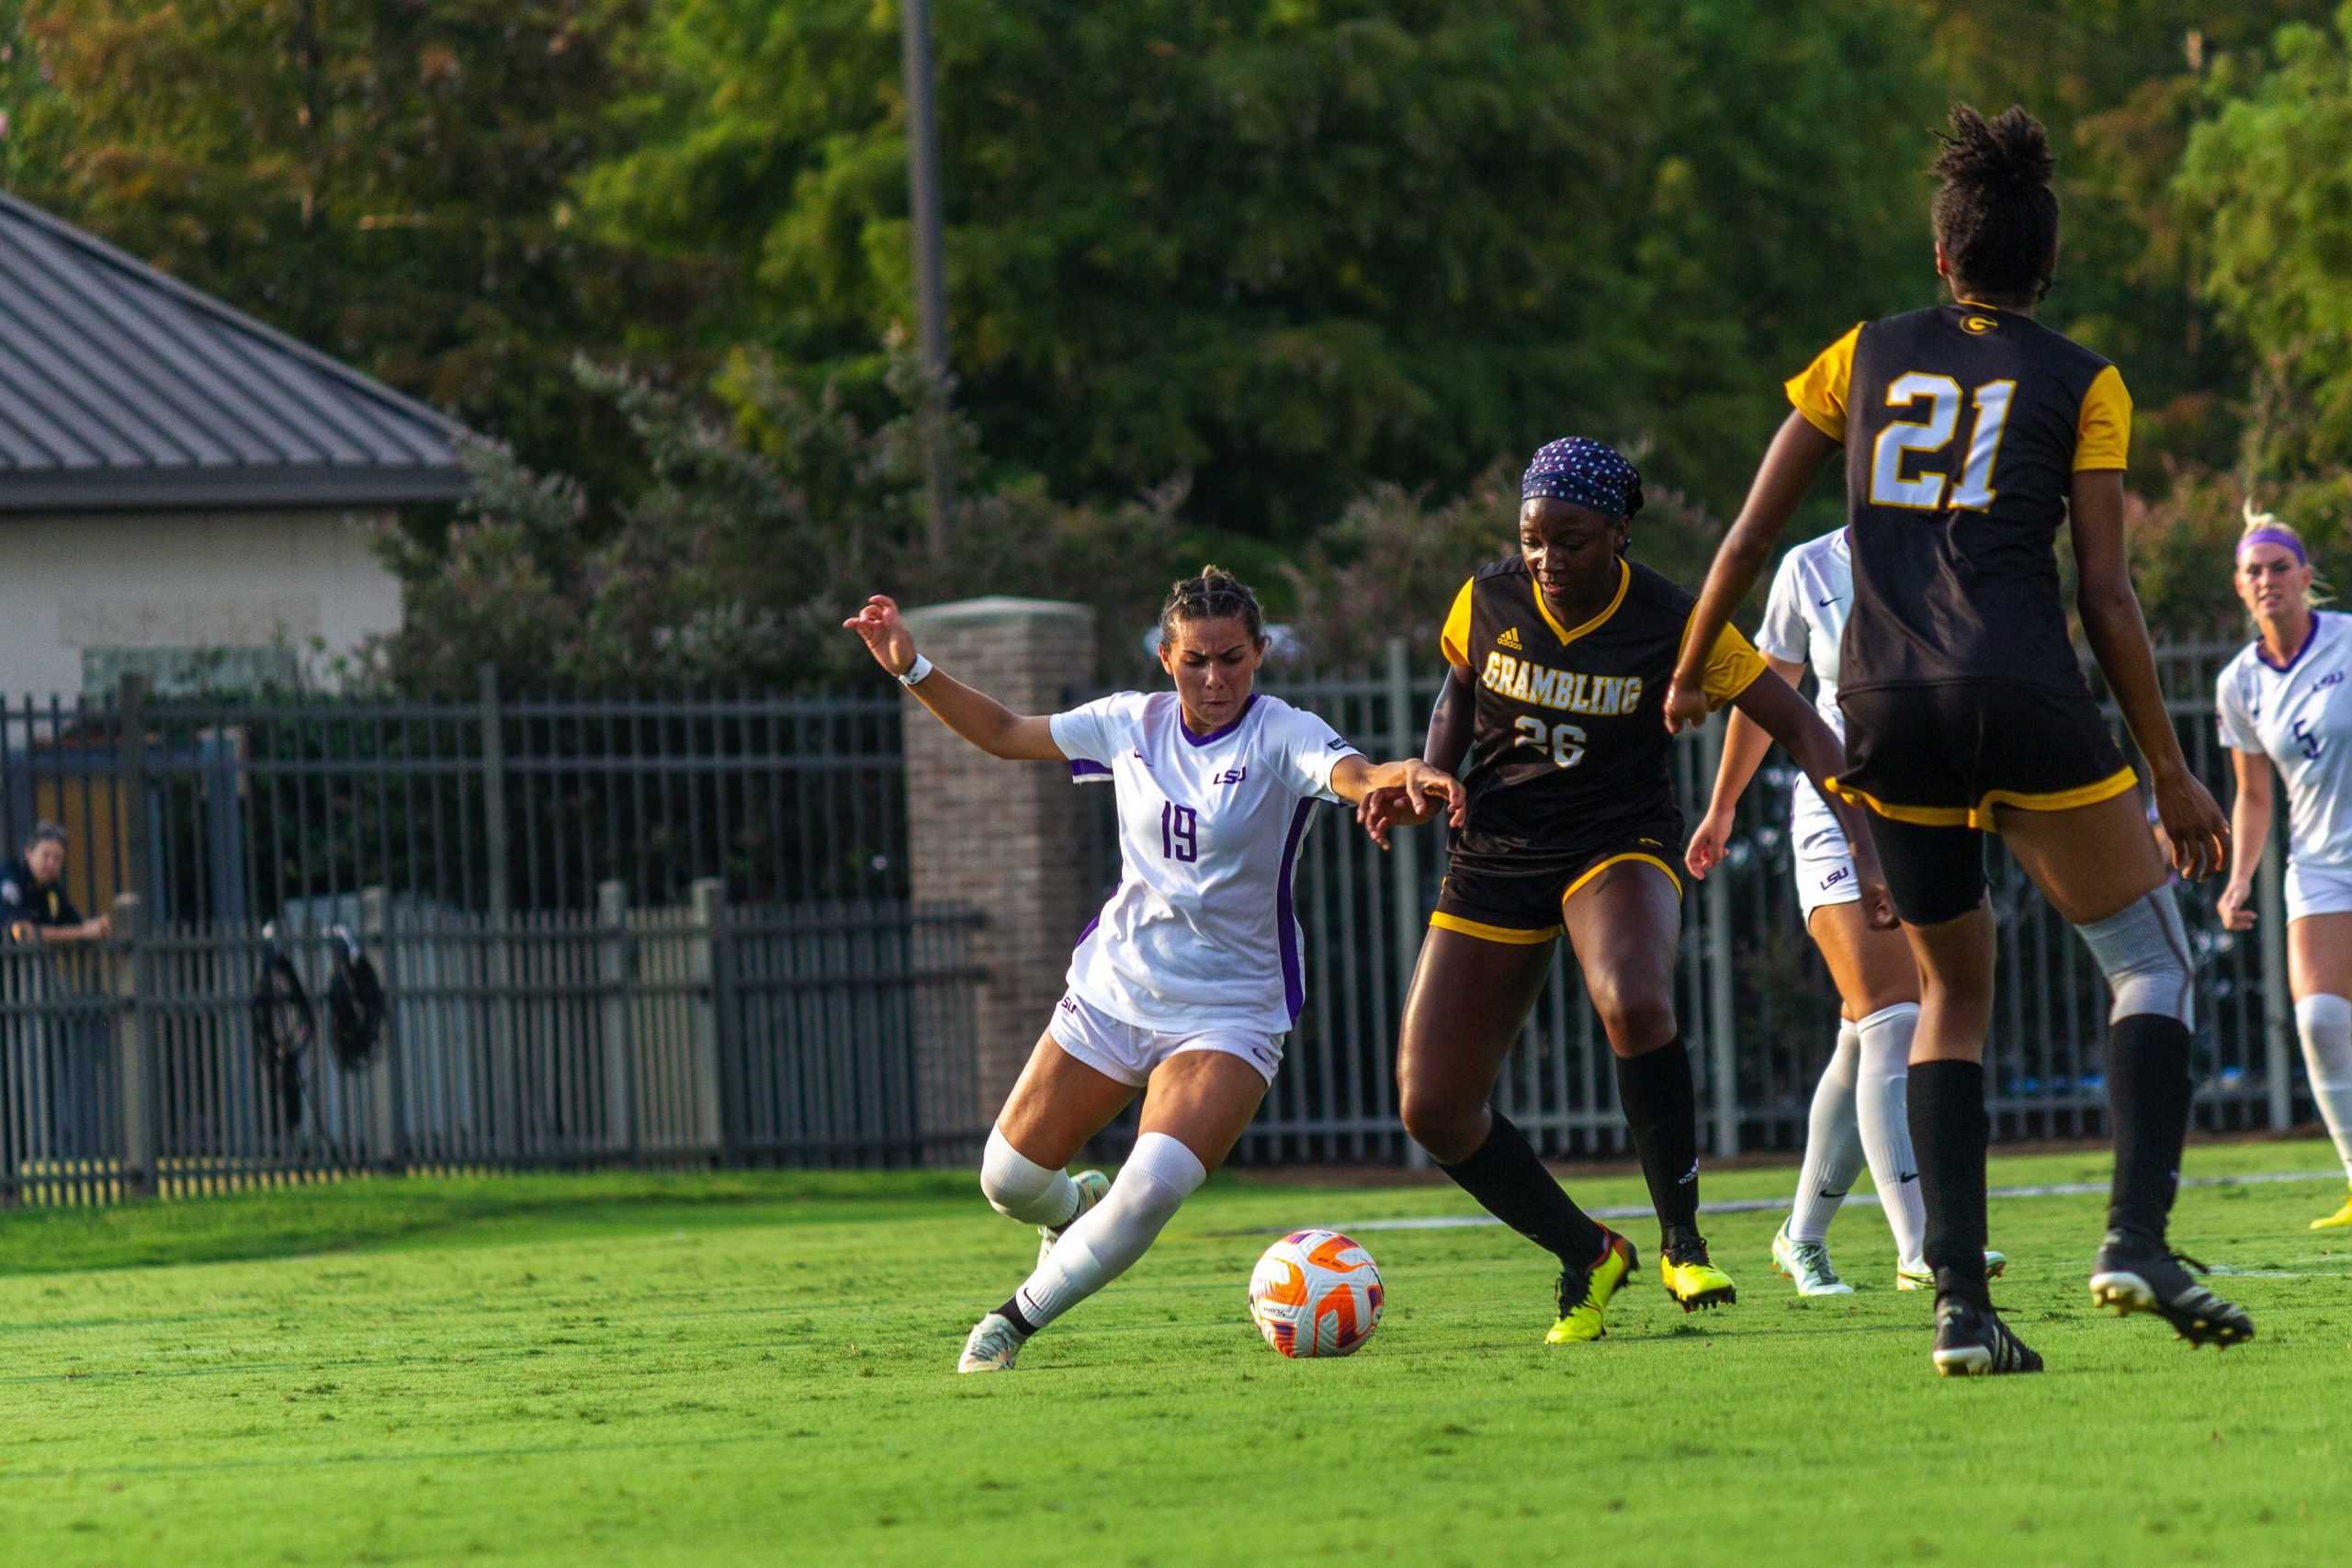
(1004, 837)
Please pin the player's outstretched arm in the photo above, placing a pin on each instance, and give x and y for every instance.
(1447, 743)
(1398, 794)
(1745, 744)
(2119, 639)
(977, 716)
(1790, 467)
(1773, 705)
(2249, 825)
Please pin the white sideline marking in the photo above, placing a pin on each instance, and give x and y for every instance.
(1761, 1206)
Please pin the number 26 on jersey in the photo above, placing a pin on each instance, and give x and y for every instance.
(1901, 470)
(1564, 742)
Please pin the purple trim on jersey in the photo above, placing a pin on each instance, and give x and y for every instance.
(1286, 920)
(1087, 932)
(1089, 773)
(2310, 637)
(1214, 733)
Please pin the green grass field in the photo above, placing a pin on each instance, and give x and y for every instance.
(756, 1368)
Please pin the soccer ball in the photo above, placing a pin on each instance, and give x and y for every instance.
(1315, 1293)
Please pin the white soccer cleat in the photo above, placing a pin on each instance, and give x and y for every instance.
(992, 1345)
(1807, 1263)
(1915, 1274)
(1092, 1187)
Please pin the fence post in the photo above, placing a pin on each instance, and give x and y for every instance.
(1405, 857)
(2278, 1008)
(1006, 839)
(134, 1066)
(384, 1151)
(511, 1123)
(1714, 901)
(130, 756)
(708, 974)
(613, 1007)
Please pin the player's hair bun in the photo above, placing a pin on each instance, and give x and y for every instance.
(2007, 154)
(1995, 216)
(1211, 592)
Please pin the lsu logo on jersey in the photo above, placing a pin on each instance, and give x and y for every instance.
(1508, 640)
(1232, 776)
(1977, 325)
(1523, 682)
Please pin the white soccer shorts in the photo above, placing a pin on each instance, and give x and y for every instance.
(2317, 890)
(1825, 862)
(1128, 1052)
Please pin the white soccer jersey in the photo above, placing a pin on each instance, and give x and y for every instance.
(2301, 719)
(1201, 930)
(1805, 621)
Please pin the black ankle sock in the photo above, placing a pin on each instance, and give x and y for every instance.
(2148, 1090)
(1949, 1130)
(1662, 1110)
(1512, 1184)
(1011, 1309)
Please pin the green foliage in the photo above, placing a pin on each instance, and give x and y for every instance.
(1293, 251)
(2271, 175)
(765, 521)
(386, 182)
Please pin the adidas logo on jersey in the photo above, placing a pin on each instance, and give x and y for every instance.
(1509, 637)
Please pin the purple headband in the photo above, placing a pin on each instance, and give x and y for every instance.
(2278, 536)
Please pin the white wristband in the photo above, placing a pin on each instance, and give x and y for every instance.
(915, 672)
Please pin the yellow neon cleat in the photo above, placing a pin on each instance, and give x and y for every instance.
(2337, 1221)
(1580, 1319)
(1690, 1279)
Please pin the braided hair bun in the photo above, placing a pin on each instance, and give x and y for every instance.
(1211, 594)
(1995, 216)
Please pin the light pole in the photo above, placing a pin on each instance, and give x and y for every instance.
(930, 286)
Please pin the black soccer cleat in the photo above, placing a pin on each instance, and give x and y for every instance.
(2134, 1274)
(1972, 1342)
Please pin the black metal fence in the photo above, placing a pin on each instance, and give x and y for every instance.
(692, 1036)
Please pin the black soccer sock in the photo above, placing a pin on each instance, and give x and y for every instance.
(1512, 1184)
(2148, 1090)
(1948, 1131)
(1662, 1111)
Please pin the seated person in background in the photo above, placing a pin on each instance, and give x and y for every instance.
(33, 907)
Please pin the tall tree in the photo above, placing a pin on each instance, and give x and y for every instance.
(1295, 248)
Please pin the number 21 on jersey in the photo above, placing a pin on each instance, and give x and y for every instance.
(1906, 439)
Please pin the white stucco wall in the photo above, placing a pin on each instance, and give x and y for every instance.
(182, 580)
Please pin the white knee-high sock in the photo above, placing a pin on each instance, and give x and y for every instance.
(1833, 1146)
(2325, 1022)
(1881, 1106)
(1020, 1189)
(1110, 1237)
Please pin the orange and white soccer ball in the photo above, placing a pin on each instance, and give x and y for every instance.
(1315, 1293)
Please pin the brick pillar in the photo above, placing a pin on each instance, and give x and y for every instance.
(1005, 838)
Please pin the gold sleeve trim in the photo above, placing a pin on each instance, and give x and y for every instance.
(1819, 391)
(1733, 666)
(1453, 642)
(2103, 430)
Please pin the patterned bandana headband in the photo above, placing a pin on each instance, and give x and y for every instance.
(1585, 473)
(2278, 536)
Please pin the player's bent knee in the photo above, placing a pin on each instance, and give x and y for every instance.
(1635, 1023)
(1448, 1127)
(2143, 949)
(1016, 1185)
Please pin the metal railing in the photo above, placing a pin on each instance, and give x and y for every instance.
(692, 1036)
(504, 803)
